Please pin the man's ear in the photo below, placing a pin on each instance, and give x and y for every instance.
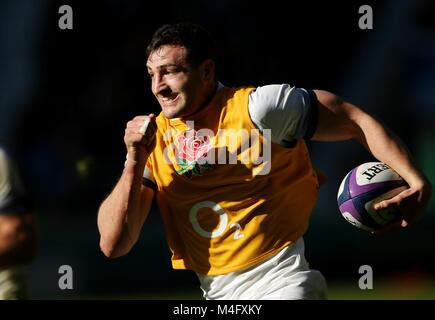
(208, 69)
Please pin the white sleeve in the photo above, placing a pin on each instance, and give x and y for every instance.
(13, 197)
(284, 109)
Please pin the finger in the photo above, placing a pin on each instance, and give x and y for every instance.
(394, 201)
(133, 123)
(144, 126)
(133, 131)
(385, 204)
(142, 117)
(151, 131)
(133, 135)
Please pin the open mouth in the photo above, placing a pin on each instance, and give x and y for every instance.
(169, 100)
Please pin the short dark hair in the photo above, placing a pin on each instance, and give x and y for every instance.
(197, 40)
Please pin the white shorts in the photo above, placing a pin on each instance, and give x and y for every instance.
(285, 276)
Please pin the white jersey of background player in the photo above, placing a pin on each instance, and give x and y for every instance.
(17, 232)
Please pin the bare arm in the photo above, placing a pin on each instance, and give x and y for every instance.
(123, 212)
(340, 120)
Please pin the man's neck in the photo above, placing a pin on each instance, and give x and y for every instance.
(217, 85)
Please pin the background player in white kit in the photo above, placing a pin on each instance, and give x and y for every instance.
(18, 238)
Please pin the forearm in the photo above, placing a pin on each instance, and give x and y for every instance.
(388, 148)
(340, 120)
(122, 213)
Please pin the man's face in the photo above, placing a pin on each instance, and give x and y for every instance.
(178, 86)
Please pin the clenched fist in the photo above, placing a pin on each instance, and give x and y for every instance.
(139, 137)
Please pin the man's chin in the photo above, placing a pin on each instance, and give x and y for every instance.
(171, 114)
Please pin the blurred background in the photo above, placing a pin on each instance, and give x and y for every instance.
(65, 96)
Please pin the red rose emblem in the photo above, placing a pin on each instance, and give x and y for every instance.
(192, 146)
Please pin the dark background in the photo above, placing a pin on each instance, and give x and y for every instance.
(67, 94)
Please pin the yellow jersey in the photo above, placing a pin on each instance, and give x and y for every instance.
(228, 196)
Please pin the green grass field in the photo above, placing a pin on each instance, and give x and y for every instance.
(405, 289)
(384, 290)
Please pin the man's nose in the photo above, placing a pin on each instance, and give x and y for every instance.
(159, 84)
